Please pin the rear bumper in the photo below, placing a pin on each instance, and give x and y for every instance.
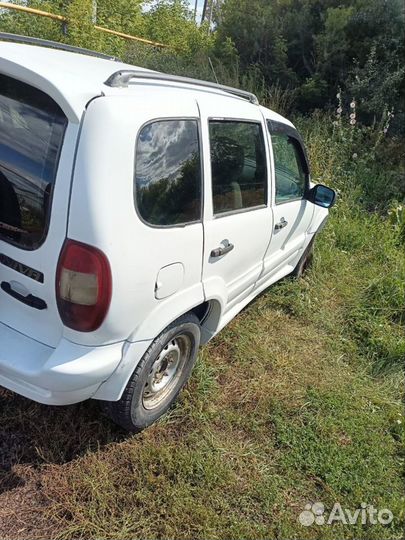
(67, 374)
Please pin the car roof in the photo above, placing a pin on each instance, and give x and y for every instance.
(73, 79)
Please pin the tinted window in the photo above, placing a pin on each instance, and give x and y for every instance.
(31, 133)
(238, 163)
(289, 168)
(168, 172)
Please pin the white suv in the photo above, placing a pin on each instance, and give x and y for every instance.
(139, 213)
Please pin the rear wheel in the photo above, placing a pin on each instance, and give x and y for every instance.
(159, 376)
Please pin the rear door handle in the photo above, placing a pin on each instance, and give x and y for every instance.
(222, 250)
(281, 224)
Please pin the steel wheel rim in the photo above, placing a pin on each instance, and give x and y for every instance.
(165, 371)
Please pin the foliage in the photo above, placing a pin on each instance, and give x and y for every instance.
(356, 156)
(29, 25)
(167, 21)
(257, 42)
(170, 22)
(350, 158)
(317, 45)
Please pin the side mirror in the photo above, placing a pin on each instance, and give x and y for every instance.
(322, 196)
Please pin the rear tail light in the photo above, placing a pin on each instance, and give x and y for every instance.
(83, 286)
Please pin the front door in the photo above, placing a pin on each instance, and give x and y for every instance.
(292, 213)
(237, 218)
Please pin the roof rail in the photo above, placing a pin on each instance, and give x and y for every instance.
(4, 36)
(123, 78)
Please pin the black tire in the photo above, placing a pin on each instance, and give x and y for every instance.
(305, 260)
(136, 410)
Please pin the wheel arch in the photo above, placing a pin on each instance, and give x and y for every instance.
(209, 314)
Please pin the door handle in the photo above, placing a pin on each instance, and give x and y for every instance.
(30, 300)
(222, 250)
(281, 224)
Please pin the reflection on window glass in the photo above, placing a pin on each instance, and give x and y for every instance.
(290, 174)
(168, 172)
(31, 133)
(238, 163)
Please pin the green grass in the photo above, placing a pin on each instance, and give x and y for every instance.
(297, 400)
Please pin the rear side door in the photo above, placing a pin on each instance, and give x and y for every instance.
(36, 159)
(237, 218)
(292, 213)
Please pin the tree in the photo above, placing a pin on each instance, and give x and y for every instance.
(252, 27)
(317, 46)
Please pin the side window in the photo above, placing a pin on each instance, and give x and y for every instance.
(238, 163)
(168, 172)
(290, 169)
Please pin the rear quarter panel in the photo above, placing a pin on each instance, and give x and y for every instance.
(102, 214)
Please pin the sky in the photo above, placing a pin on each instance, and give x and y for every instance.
(199, 7)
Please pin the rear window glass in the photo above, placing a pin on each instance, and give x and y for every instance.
(168, 173)
(32, 126)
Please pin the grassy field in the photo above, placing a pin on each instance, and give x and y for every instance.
(298, 400)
